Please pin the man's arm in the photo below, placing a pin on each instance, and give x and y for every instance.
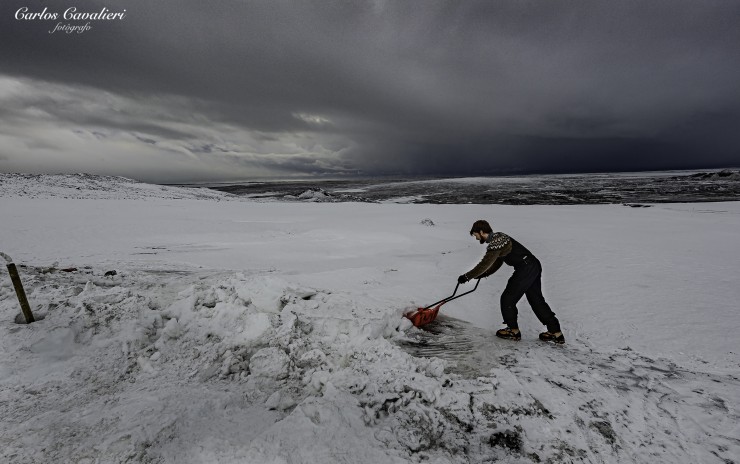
(496, 265)
(499, 247)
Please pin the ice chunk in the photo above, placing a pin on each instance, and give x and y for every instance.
(270, 362)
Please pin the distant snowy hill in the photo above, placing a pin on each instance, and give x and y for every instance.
(725, 174)
(92, 187)
(560, 189)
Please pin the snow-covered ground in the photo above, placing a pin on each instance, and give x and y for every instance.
(238, 331)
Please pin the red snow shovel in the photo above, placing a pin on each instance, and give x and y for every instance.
(423, 316)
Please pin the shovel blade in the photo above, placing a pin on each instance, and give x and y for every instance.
(423, 316)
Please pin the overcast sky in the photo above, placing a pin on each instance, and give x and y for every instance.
(185, 90)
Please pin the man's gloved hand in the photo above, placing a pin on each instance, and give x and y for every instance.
(462, 279)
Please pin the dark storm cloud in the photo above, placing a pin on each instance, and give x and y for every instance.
(418, 87)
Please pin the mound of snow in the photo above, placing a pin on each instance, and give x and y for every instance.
(315, 195)
(240, 368)
(87, 186)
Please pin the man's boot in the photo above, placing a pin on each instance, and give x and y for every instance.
(555, 337)
(509, 333)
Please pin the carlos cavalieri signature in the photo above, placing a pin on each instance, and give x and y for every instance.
(70, 14)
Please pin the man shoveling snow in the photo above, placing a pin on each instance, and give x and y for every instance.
(526, 280)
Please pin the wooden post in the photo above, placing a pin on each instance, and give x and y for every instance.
(18, 284)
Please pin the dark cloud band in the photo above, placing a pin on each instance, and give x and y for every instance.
(420, 87)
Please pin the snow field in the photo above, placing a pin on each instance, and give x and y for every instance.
(246, 332)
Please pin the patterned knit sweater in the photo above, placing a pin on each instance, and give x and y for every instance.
(499, 245)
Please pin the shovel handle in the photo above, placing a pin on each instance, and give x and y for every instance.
(453, 297)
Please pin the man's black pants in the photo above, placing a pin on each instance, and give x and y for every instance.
(527, 280)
